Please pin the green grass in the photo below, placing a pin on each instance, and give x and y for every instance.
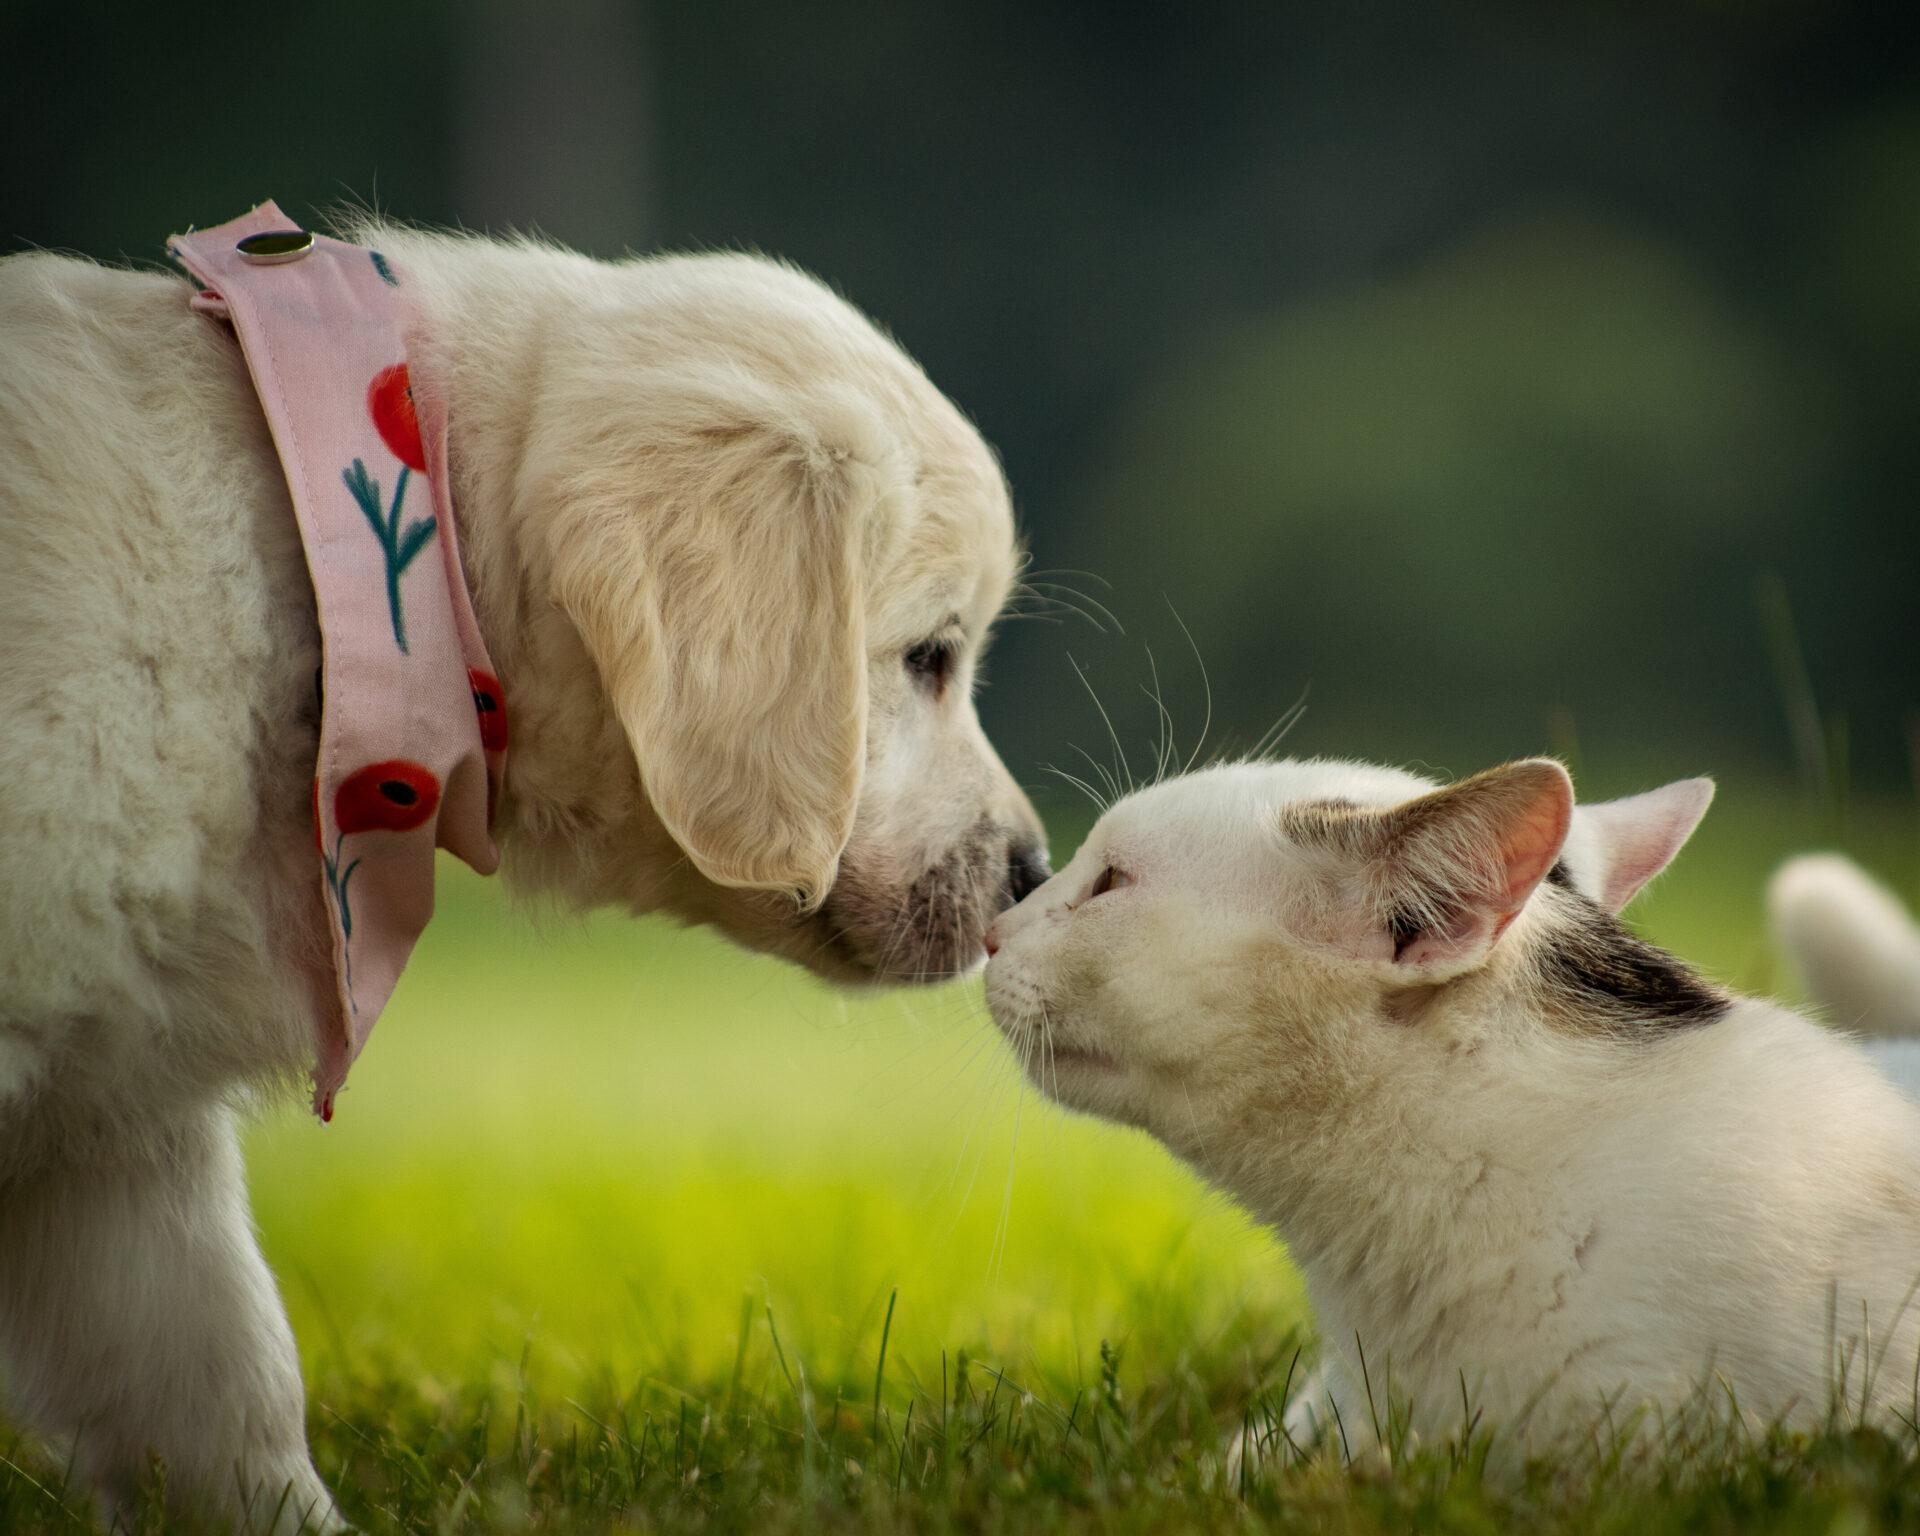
(612, 1221)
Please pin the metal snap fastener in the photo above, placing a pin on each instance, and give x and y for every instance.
(273, 246)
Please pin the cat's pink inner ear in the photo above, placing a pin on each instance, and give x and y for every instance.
(1639, 836)
(1487, 843)
(1533, 837)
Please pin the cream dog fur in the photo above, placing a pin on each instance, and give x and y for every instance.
(734, 558)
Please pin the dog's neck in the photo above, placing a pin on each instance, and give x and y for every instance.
(484, 349)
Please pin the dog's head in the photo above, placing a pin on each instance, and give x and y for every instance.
(781, 550)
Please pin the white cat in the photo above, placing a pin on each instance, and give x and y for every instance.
(1517, 1153)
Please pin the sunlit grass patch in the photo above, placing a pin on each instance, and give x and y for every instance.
(775, 1445)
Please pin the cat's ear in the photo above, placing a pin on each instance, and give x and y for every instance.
(1617, 846)
(1460, 863)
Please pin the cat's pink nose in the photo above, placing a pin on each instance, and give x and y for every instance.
(992, 940)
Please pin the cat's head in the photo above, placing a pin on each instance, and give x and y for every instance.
(1272, 934)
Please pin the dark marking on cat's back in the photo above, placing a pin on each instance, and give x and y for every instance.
(1599, 975)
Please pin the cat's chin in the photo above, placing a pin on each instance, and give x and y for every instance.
(1078, 1076)
(1082, 1079)
(1079, 1059)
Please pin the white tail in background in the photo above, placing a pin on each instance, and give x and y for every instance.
(1858, 951)
(1854, 944)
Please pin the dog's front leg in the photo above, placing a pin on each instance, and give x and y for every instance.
(138, 1318)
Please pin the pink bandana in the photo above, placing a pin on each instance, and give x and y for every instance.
(413, 734)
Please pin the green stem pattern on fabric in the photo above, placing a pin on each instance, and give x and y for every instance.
(398, 547)
(337, 881)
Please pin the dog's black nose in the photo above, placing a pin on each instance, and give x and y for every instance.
(1027, 870)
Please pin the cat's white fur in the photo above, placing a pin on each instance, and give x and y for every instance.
(1332, 989)
(710, 515)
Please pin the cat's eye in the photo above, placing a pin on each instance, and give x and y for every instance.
(1111, 879)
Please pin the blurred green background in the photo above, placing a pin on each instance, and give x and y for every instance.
(1500, 377)
(1463, 363)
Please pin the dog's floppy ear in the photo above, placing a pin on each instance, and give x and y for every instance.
(719, 590)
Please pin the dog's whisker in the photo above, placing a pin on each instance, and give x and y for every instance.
(1080, 597)
(1064, 606)
(1067, 570)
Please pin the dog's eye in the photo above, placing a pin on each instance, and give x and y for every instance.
(931, 663)
(1111, 879)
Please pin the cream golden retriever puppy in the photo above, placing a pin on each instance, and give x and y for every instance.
(734, 558)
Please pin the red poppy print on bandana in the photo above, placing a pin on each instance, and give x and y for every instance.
(390, 403)
(392, 796)
(491, 709)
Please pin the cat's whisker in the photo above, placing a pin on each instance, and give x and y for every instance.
(1112, 735)
(1100, 804)
(1106, 777)
(1206, 684)
(1050, 1065)
(950, 1066)
(1164, 745)
(971, 1120)
(1280, 729)
(908, 1048)
(998, 1250)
